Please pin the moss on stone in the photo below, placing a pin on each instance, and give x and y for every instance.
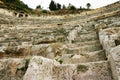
(82, 68)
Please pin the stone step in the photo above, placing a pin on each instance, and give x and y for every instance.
(40, 68)
(84, 49)
(86, 71)
(87, 43)
(83, 58)
(87, 37)
(87, 32)
(84, 31)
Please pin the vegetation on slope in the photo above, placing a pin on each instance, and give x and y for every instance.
(16, 5)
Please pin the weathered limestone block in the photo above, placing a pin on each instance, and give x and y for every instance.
(114, 59)
(113, 36)
(40, 69)
(46, 69)
(88, 71)
(99, 27)
(45, 50)
(108, 47)
(107, 44)
(83, 58)
(40, 49)
(21, 51)
(73, 34)
(72, 59)
(56, 49)
(78, 28)
(101, 36)
(12, 69)
(32, 50)
(115, 52)
(107, 39)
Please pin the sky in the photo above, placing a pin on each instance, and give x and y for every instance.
(77, 3)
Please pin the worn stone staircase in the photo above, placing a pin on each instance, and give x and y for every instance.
(84, 62)
(58, 49)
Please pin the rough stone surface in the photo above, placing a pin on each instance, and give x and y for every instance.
(40, 68)
(61, 47)
(13, 69)
(45, 69)
(113, 51)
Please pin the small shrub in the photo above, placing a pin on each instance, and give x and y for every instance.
(60, 61)
(44, 11)
(72, 8)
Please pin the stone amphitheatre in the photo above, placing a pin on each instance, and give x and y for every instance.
(83, 46)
